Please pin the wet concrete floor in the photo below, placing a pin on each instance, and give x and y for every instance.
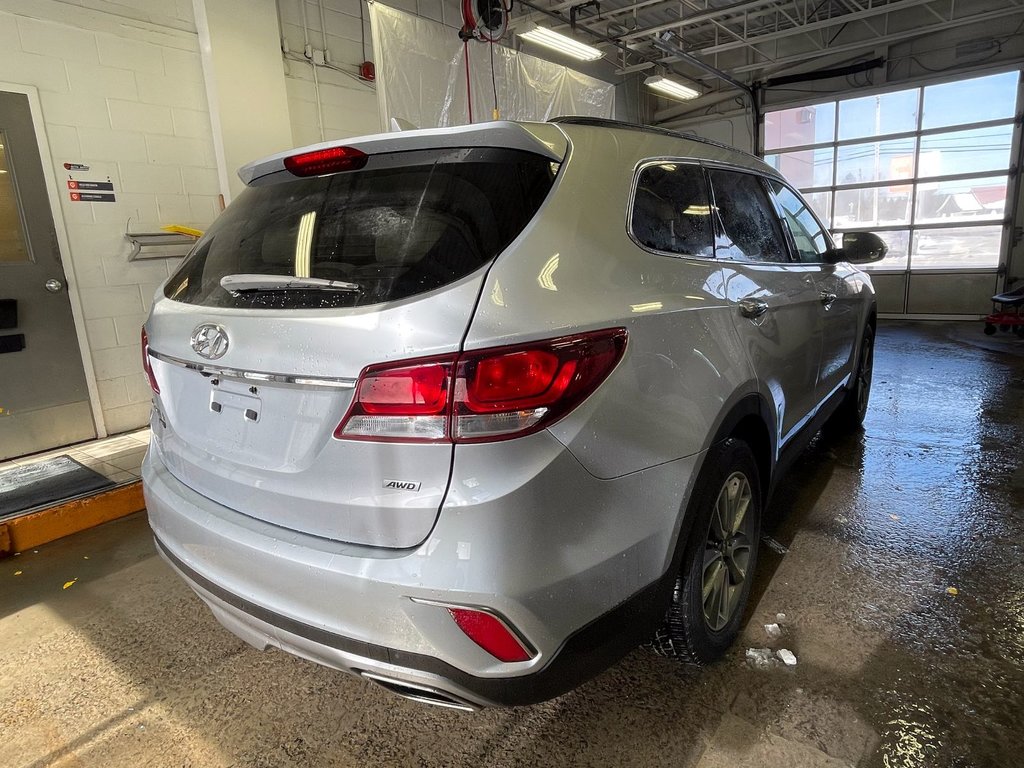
(125, 667)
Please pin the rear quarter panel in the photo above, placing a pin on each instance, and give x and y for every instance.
(576, 268)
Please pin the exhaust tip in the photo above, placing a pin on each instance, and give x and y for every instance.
(420, 693)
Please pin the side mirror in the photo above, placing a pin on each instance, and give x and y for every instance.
(862, 248)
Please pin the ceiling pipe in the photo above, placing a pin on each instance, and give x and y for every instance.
(669, 47)
(824, 74)
(673, 49)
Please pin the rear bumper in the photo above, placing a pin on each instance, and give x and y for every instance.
(353, 608)
(585, 654)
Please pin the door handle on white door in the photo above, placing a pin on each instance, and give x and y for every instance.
(827, 298)
(753, 307)
(53, 285)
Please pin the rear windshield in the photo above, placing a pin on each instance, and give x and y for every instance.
(409, 223)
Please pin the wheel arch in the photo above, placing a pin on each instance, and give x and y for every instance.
(753, 422)
(750, 419)
(870, 321)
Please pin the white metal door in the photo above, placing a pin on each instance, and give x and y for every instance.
(44, 400)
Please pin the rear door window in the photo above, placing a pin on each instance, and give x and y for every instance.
(408, 223)
(671, 211)
(748, 227)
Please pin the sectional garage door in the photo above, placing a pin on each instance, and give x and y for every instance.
(926, 168)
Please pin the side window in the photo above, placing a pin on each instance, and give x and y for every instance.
(748, 225)
(671, 211)
(811, 242)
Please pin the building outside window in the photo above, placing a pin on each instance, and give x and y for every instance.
(926, 168)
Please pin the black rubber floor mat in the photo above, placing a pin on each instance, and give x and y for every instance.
(33, 485)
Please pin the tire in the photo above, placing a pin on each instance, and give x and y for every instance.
(850, 414)
(717, 565)
(990, 329)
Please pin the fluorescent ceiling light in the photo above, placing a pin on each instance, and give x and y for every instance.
(671, 88)
(561, 43)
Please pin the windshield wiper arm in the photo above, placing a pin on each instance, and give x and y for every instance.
(242, 283)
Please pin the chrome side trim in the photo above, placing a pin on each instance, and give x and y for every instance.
(325, 382)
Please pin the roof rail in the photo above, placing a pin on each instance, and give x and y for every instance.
(603, 122)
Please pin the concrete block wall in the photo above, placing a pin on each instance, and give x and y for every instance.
(128, 100)
(348, 105)
(122, 90)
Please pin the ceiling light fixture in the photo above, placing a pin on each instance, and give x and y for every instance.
(561, 43)
(671, 88)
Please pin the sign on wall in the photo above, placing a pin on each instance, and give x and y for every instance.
(84, 191)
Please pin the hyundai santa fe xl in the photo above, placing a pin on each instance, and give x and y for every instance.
(472, 412)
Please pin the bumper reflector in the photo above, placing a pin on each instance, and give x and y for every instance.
(491, 634)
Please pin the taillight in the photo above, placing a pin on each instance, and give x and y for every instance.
(491, 634)
(488, 394)
(146, 365)
(408, 402)
(321, 161)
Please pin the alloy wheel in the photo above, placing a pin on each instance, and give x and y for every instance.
(727, 552)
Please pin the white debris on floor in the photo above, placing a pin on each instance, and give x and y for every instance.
(786, 657)
(760, 658)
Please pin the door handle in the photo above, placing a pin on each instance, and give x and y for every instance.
(53, 285)
(753, 307)
(827, 298)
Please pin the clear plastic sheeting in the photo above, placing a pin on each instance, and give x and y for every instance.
(421, 78)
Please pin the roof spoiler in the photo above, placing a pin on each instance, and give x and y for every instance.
(540, 138)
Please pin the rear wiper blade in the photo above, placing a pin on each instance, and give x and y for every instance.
(242, 283)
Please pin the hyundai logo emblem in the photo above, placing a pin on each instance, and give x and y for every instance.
(210, 341)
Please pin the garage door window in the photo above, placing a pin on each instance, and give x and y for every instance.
(926, 168)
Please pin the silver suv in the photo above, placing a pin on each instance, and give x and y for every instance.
(472, 412)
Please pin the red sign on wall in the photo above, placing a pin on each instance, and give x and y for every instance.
(102, 191)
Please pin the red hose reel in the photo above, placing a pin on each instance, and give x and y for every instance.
(484, 20)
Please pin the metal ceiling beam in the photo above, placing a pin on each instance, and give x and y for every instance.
(882, 40)
(700, 18)
(566, 4)
(614, 13)
(666, 47)
(899, 5)
(732, 33)
(627, 9)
